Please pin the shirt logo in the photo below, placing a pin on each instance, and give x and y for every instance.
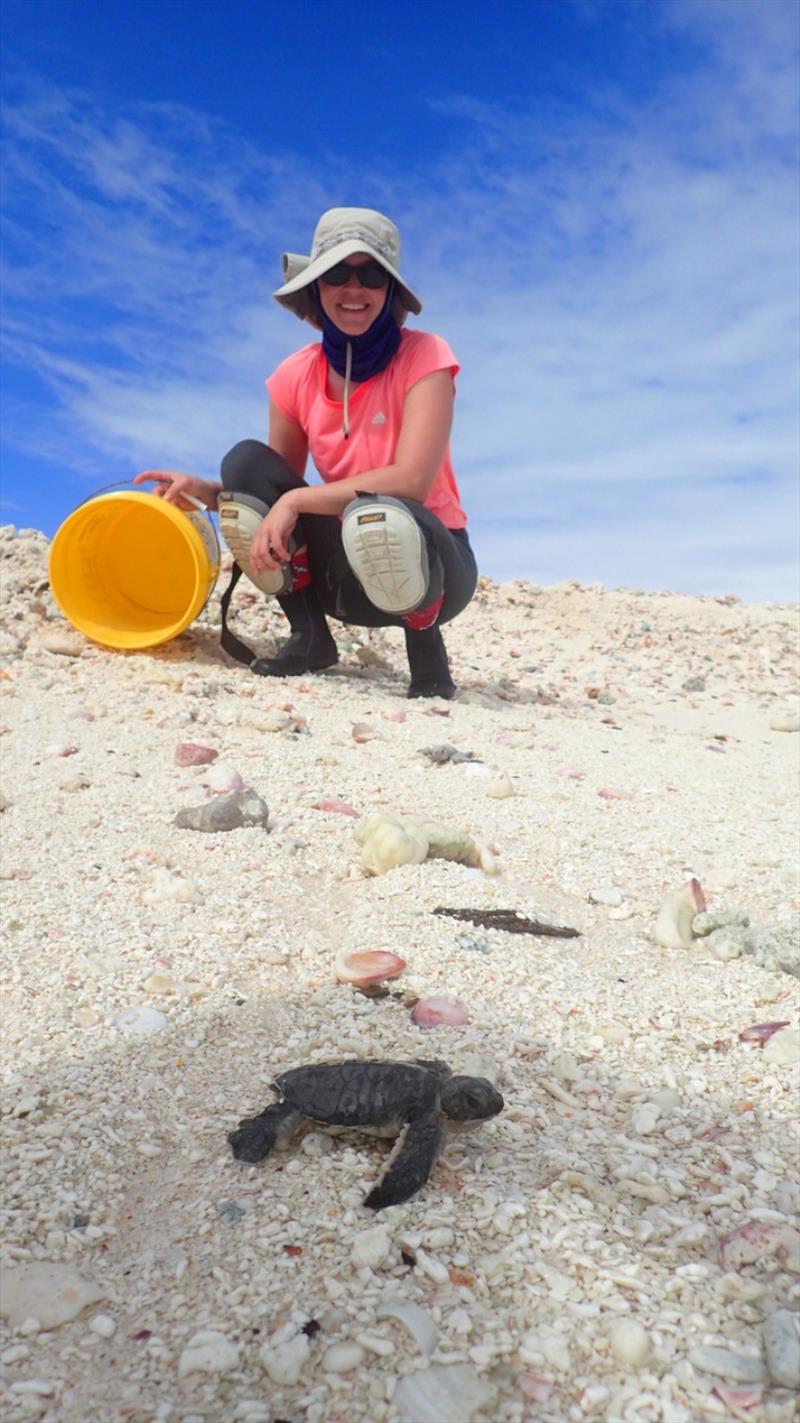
(378, 418)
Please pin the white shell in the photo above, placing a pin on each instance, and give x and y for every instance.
(419, 1324)
(442, 1393)
(208, 1352)
(630, 1342)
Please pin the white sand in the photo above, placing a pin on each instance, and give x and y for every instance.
(577, 1207)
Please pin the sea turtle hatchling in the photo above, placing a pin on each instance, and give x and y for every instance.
(414, 1101)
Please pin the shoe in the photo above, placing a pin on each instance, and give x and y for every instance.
(239, 518)
(430, 669)
(386, 551)
(311, 648)
(294, 659)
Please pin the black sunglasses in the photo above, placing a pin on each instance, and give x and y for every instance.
(370, 274)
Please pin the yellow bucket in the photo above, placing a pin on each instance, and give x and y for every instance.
(130, 570)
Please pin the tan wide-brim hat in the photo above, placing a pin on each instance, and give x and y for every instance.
(340, 233)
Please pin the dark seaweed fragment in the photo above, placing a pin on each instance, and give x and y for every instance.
(510, 921)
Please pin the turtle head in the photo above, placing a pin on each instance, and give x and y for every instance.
(470, 1099)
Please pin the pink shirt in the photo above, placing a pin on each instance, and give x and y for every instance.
(299, 388)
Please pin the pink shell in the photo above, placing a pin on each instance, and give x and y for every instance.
(188, 753)
(339, 806)
(761, 1032)
(743, 1396)
(440, 1012)
(696, 890)
(538, 1389)
(608, 793)
(369, 966)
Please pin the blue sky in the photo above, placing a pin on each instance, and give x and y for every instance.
(599, 208)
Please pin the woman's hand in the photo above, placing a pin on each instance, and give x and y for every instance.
(175, 487)
(270, 546)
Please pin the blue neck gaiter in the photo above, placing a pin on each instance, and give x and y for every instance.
(371, 352)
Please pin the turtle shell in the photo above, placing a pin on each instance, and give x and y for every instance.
(360, 1093)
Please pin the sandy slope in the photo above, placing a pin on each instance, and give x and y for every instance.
(578, 1206)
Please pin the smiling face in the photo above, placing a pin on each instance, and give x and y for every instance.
(352, 308)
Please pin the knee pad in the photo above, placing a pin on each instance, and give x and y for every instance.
(387, 552)
(239, 517)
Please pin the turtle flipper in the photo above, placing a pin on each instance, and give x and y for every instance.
(255, 1137)
(410, 1163)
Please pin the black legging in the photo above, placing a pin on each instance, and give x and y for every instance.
(253, 468)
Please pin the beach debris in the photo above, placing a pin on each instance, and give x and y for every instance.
(60, 748)
(243, 809)
(413, 1318)
(739, 1396)
(370, 966)
(188, 753)
(440, 1011)
(781, 1333)
(509, 920)
(673, 926)
(609, 793)
(48, 1292)
(208, 1352)
(757, 1240)
(389, 840)
(443, 754)
(761, 1032)
(411, 1101)
(442, 1393)
(337, 807)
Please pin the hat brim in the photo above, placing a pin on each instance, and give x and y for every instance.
(296, 294)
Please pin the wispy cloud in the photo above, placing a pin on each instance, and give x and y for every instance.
(618, 278)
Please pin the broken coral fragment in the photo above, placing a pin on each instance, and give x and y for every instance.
(389, 840)
(673, 927)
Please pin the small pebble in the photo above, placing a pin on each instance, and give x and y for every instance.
(370, 1248)
(782, 1347)
(208, 1352)
(103, 1325)
(188, 753)
(630, 1342)
(286, 1360)
(226, 812)
(342, 1358)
